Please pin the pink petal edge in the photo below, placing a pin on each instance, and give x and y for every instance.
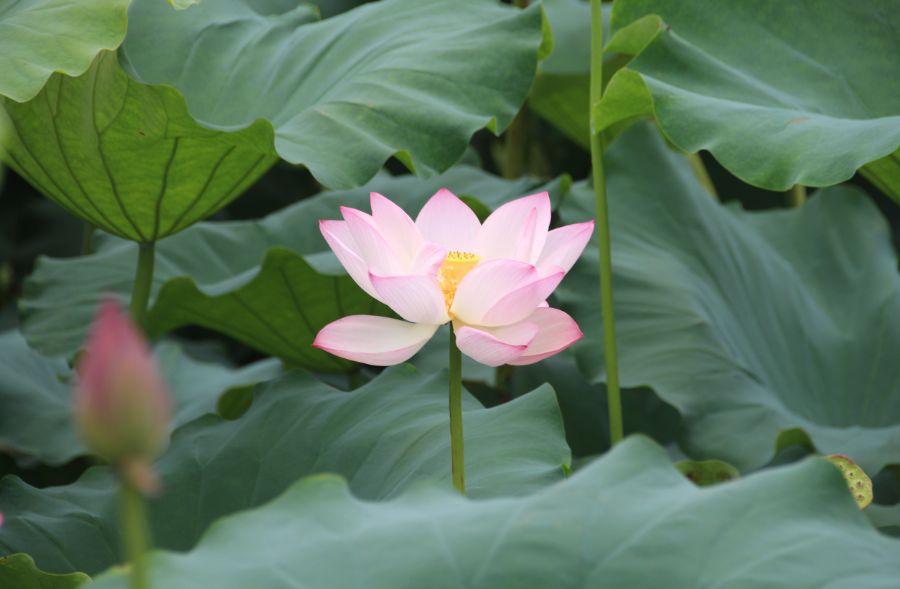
(378, 341)
(556, 332)
(495, 347)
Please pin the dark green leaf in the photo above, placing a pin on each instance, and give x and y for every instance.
(885, 518)
(627, 520)
(18, 572)
(382, 437)
(708, 472)
(585, 409)
(749, 324)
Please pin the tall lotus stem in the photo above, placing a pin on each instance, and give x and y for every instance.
(143, 280)
(135, 533)
(87, 239)
(457, 454)
(616, 429)
(796, 196)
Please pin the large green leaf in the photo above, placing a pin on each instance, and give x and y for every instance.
(628, 520)
(127, 157)
(751, 324)
(39, 37)
(781, 93)
(382, 437)
(125, 154)
(237, 277)
(18, 572)
(35, 399)
(412, 78)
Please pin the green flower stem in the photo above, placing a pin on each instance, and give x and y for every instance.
(354, 379)
(457, 454)
(616, 429)
(514, 151)
(700, 171)
(796, 196)
(87, 239)
(135, 533)
(143, 280)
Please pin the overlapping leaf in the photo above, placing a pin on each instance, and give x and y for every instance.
(585, 408)
(382, 437)
(751, 324)
(39, 37)
(402, 77)
(627, 520)
(35, 397)
(127, 155)
(211, 274)
(781, 93)
(561, 90)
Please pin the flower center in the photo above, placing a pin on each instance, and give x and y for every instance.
(455, 267)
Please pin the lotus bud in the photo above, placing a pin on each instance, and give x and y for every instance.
(121, 402)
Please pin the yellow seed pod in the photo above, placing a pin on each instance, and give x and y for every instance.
(859, 483)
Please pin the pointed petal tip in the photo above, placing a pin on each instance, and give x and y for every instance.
(443, 192)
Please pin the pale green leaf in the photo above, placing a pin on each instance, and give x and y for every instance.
(382, 437)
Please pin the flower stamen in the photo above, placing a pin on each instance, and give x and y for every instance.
(455, 267)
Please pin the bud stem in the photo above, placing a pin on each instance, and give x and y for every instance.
(616, 429)
(457, 454)
(135, 533)
(143, 280)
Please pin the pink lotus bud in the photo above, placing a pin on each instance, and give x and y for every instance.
(1, 519)
(121, 403)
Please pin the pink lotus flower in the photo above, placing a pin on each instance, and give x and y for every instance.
(491, 280)
(121, 403)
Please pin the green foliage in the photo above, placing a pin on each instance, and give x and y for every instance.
(124, 153)
(746, 337)
(382, 437)
(127, 157)
(33, 44)
(748, 323)
(561, 90)
(17, 571)
(627, 520)
(885, 518)
(782, 96)
(410, 78)
(585, 408)
(272, 284)
(35, 393)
